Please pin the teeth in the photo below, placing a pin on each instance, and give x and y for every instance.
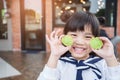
(78, 48)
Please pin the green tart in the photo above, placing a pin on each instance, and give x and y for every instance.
(67, 40)
(96, 43)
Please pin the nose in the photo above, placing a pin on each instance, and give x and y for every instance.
(79, 40)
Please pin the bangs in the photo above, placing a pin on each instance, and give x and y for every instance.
(75, 24)
(78, 21)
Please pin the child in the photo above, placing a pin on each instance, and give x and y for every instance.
(80, 61)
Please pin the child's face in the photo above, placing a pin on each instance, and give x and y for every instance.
(81, 48)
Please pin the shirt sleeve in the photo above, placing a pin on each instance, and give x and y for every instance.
(114, 72)
(109, 73)
(48, 74)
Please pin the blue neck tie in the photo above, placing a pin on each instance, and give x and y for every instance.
(83, 65)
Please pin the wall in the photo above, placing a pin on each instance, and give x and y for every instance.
(16, 28)
(118, 18)
(109, 31)
(118, 25)
(6, 45)
(48, 22)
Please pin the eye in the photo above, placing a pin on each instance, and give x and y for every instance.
(73, 35)
(88, 37)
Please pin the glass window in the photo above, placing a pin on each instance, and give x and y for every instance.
(34, 30)
(64, 8)
(3, 20)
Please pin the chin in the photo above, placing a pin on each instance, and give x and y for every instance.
(80, 56)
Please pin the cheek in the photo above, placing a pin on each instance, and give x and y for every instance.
(88, 44)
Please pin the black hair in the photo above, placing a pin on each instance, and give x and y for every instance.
(101, 20)
(78, 21)
(65, 16)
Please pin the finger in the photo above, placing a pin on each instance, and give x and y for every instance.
(67, 48)
(61, 37)
(47, 38)
(105, 39)
(57, 33)
(97, 51)
(52, 35)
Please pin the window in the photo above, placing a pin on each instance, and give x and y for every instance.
(64, 8)
(3, 32)
(3, 20)
(68, 7)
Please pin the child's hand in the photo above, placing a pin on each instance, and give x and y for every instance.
(57, 49)
(107, 50)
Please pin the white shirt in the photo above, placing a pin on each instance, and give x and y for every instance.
(68, 71)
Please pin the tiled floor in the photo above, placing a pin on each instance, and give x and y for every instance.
(29, 64)
(7, 70)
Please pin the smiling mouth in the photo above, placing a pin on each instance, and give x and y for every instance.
(79, 49)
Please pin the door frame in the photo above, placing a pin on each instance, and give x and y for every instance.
(23, 37)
